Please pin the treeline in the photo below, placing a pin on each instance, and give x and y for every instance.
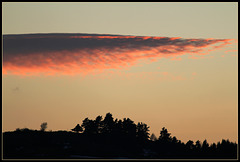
(110, 138)
(114, 128)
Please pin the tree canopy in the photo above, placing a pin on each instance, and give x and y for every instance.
(77, 129)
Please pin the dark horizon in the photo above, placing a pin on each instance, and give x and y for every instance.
(111, 139)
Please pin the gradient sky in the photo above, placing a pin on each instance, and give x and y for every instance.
(170, 65)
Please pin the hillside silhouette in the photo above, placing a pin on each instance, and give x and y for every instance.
(109, 138)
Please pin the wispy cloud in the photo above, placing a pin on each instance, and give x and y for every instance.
(70, 54)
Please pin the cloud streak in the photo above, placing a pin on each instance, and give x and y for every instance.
(70, 54)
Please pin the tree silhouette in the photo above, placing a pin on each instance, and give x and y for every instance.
(129, 128)
(77, 129)
(198, 145)
(205, 146)
(153, 137)
(89, 126)
(164, 135)
(118, 127)
(43, 126)
(98, 124)
(142, 131)
(174, 140)
(108, 124)
(190, 145)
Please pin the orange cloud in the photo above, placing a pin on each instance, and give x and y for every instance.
(231, 51)
(70, 54)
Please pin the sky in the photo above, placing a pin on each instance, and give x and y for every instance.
(170, 65)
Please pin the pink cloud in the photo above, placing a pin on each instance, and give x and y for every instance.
(71, 54)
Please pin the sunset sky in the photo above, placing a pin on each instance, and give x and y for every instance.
(170, 65)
